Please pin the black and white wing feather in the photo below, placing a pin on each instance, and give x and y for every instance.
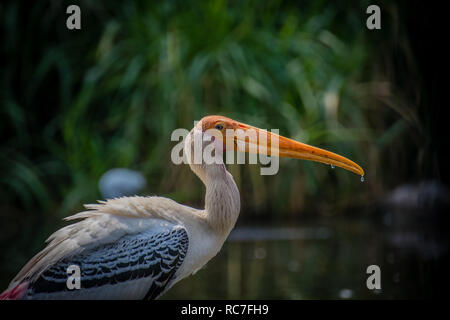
(135, 266)
(125, 248)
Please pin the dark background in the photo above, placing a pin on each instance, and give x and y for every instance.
(75, 104)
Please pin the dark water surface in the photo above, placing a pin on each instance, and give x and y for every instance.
(326, 258)
(316, 261)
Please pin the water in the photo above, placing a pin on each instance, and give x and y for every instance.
(316, 261)
(325, 258)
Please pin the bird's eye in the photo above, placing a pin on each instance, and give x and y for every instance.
(219, 126)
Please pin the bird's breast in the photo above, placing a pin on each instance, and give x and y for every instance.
(203, 246)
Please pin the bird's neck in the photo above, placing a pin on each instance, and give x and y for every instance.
(222, 201)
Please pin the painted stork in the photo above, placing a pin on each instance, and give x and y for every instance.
(139, 247)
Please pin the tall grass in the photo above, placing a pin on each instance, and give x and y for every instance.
(77, 103)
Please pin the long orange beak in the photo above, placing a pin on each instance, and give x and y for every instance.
(255, 140)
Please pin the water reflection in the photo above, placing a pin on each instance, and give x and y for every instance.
(323, 259)
(326, 261)
(282, 233)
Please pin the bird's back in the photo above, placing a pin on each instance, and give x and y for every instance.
(134, 267)
(121, 252)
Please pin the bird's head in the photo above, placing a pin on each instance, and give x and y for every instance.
(233, 135)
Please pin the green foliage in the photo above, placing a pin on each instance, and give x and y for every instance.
(74, 104)
(77, 103)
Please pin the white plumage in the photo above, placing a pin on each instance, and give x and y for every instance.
(138, 247)
(112, 220)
